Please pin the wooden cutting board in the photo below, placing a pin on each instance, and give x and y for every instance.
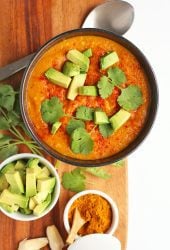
(25, 25)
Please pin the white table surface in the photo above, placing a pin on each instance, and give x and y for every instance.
(149, 167)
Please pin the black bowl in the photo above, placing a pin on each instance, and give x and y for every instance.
(152, 87)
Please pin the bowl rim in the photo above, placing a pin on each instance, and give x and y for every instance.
(115, 211)
(17, 215)
(151, 112)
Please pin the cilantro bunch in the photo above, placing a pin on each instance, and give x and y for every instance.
(11, 121)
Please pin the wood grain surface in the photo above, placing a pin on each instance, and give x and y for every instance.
(25, 25)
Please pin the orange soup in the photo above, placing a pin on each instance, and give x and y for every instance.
(39, 88)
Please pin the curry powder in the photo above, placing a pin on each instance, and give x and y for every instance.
(95, 210)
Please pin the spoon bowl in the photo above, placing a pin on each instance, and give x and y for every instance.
(116, 16)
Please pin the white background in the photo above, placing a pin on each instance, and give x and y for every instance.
(149, 166)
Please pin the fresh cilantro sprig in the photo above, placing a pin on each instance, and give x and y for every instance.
(131, 98)
(11, 121)
(85, 113)
(105, 87)
(51, 110)
(73, 124)
(76, 180)
(106, 130)
(81, 142)
(116, 75)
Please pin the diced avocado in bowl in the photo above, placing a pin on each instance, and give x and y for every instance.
(29, 187)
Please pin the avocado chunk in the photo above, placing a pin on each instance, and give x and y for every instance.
(71, 69)
(15, 181)
(45, 173)
(88, 52)
(108, 60)
(9, 209)
(119, 119)
(32, 204)
(41, 207)
(25, 211)
(40, 197)
(46, 184)
(58, 78)
(100, 117)
(9, 198)
(88, 90)
(77, 82)
(3, 182)
(20, 165)
(9, 167)
(78, 58)
(30, 182)
(33, 163)
(55, 127)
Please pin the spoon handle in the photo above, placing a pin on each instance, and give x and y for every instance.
(14, 67)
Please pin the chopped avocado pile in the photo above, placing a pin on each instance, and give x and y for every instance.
(26, 187)
(74, 78)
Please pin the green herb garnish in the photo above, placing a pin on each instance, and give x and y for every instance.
(74, 180)
(85, 113)
(116, 75)
(52, 110)
(96, 171)
(81, 141)
(130, 98)
(73, 124)
(106, 130)
(119, 164)
(11, 120)
(105, 87)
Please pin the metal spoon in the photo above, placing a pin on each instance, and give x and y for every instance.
(116, 16)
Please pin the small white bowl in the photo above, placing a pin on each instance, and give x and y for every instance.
(115, 213)
(22, 217)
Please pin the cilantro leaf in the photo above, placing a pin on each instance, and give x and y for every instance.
(116, 75)
(85, 113)
(119, 164)
(106, 130)
(99, 172)
(81, 141)
(7, 97)
(4, 123)
(8, 151)
(13, 118)
(51, 110)
(130, 98)
(74, 180)
(105, 87)
(73, 124)
(4, 139)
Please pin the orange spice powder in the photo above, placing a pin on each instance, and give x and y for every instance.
(95, 210)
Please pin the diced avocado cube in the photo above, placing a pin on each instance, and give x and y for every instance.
(9, 167)
(46, 185)
(71, 69)
(88, 90)
(77, 82)
(41, 207)
(100, 117)
(55, 127)
(58, 78)
(23, 175)
(33, 163)
(8, 208)
(40, 197)
(9, 198)
(78, 58)
(25, 211)
(20, 165)
(30, 182)
(15, 181)
(88, 52)
(32, 204)
(45, 173)
(108, 60)
(3, 182)
(119, 119)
